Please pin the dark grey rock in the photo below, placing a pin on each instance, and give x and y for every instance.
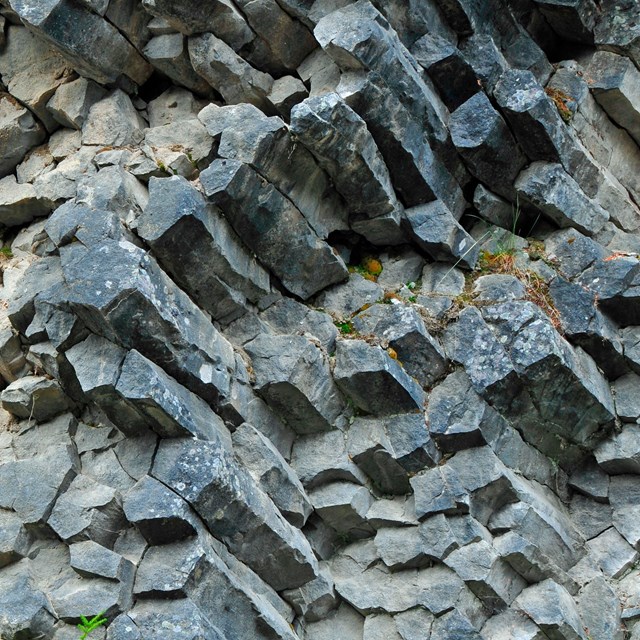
(573, 21)
(549, 188)
(344, 506)
(236, 510)
(589, 516)
(159, 514)
(574, 251)
(623, 495)
(483, 139)
(315, 600)
(273, 474)
(15, 540)
(620, 453)
(612, 553)
(346, 299)
(287, 244)
(435, 230)
(590, 480)
(286, 92)
(600, 610)
(294, 378)
(625, 390)
(374, 381)
(617, 29)
(20, 203)
(89, 559)
(35, 397)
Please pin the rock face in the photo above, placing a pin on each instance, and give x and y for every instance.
(320, 319)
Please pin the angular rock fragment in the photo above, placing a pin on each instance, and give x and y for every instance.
(600, 610)
(293, 377)
(236, 510)
(316, 599)
(19, 203)
(35, 397)
(574, 20)
(435, 230)
(273, 228)
(272, 473)
(71, 103)
(286, 92)
(623, 495)
(91, 560)
(614, 82)
(612, 553)
(19, 132)
(620, 453)
(484, 141)
(349, 297)
(344, 506)
(229, 74)
(15, 540)
(85, 45)
(374, 381)
(113, 121)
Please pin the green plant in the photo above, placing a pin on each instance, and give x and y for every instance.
(345, 327)
(6, 251)
(87, 626)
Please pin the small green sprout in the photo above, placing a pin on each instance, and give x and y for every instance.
(87, 626)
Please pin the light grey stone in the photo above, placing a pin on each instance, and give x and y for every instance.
(72, 101)
(346, 299)
(113, 121)
(343, 506)
(612, 553)
(620, 453)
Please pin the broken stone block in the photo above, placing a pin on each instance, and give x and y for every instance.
(220, 17)
(345, 623)
(589, 516)
(552, 608)
(121, 271)
(398, 511)
(19, 132)
(320, 458)
(344, 506)
(172, 105)
(245, 134)
(600, 610)
(339, 139)
(85, 45)
(438, 490)
(19, 203)
(591, 481)
(286, 92)
(626, 390)
(293, 377)
(89, 560)
(390, 449)
(320, 72)
(349, 297)
(35, 397)
(87, 510)
(380, 627)
(71, 103)
(620, 453)
(374, 381)
(315, 600)
(612, 553)
(512, 625)
(113, 121)
(288, 246)
(493, 208)
(614, 79)
(15, 540)
(229, 74)
(572, 21)
(169, 54)
(273, 474)
(435, 230)
(236, 510)
(623, 495)
(484, 141)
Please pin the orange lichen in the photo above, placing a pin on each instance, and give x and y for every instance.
(560, 99)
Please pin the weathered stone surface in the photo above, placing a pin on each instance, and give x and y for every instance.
(35, 397)
(600, 611)
(90, 559)
(623, 495)
(435, 230)
(316, 599)
(620, 453)
(272, 473)
(589, 516)
(349, 297)
(113, 121)
(19, 132)
(293, 377)
(612, 553)
(483, 139)
(14, 538)
(614, 82)
(374, 381)
(345, 622)
(85, 46)
(343, 506)
(273, 228)
(72, 101)
(229, 74)
(19, 203)
(236, 510)
(184, 233)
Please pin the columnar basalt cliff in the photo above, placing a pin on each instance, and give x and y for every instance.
(320, 319)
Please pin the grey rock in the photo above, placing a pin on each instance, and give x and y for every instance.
(617, 31)
(625, 391)
(89, 559)
(589, 516)
(591, 481)
(623, 495)
(552, 609)
(286, 92)
(344, 506)
(229, 74)
(186, 137)
(113, 121)
(72, 101)
(159, 514)
(374, 381)
(435, 230)
(380, 627)
(88, 510)
(620, 453)
(600, 610)
(221, 17)
(574, 251)
(389, 450)
(35, 397)
(315, 600)
(345, 623)
(320, 458)
(574, 21)
(493, 208)
(236, 510)
(172, 105)
(511, 625)
(169, 54)
(19, 133)
(19, 203)
(121, 271)
(245, 134)
(398, 511)
(400, 267)
(304, 266)
(452, 624)
(483, 139)
(344, 148)
(15, 540)
(294, 378)
(177, 217)
(348, 298)
(273, 474)
(612, 553)
(557, 195)
(85, 45)
(499, 288)
(414, 624)
(614, 81)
